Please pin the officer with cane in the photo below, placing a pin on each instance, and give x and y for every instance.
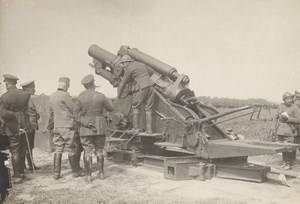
(13, 111)
(33, 117)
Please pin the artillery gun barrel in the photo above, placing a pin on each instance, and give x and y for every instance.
(101, 54)
(102, 72)
(158, 66)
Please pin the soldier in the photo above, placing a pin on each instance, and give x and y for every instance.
(297, 99)
(62, 106)
(142, 90)
(287, 131)
(29, 87)
(89, 109)
(13, 111)
(79, 148)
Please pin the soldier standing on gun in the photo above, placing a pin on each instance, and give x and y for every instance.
(62, 105)
(142, 90)
(89, 108)
(13, 111)
(287, 131)
(29, 87)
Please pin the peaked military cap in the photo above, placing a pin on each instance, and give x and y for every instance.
(87, 79)
(10, 77)
(64, 79)
(28, 84)
(125, 58)
(297, 94)
(287, 95)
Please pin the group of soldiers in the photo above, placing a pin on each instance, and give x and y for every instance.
(80, 125)
(288, 125)
(75, 126)
(19, 121)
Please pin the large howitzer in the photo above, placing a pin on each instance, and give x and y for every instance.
(181, 123)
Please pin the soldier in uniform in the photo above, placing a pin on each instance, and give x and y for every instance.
(33, 117)
(62, 105)
(142, 90)
(89, 110)
(287, 131)
(297, 98)
(13, 111)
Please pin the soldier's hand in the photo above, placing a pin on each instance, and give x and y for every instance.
(92, 128)
(284, 117)
(90, 125)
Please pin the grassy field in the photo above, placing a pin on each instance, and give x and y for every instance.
(251, 129)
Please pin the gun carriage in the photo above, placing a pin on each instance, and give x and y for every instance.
(187, 140)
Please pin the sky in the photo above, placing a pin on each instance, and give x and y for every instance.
(228, 48)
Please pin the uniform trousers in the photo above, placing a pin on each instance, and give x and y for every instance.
(18, 153)
(64, 137)
(16, 143)
(93, 144)
(31, 137)
(291, 155)
(144, 95)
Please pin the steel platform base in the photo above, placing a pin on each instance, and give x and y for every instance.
(190, 167)
(248, 172)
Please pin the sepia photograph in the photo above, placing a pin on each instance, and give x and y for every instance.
(150, 101)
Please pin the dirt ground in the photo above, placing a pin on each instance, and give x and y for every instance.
(128, 184)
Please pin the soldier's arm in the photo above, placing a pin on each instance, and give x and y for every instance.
(295, 116)
(50, 125)
(69, 102)
(4, 113)
(108, 104)
(33, 108)
(125, 80)
(78, 114)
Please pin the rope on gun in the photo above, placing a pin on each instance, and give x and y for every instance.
(28, 146)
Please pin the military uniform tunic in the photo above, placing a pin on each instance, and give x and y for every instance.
(33, 115)
(13, 111)
(89, 109)
(13, 108)
(289, 132)
(33, 118)
(143, 86)
(62, 105)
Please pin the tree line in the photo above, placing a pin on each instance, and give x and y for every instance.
(235, 103)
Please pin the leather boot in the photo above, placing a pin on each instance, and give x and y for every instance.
(74, 166)
(57, 165)
(88, 162)
(77, 159)
(294, 156)
(149, 122)
(135, 120)
(288, 160)
(285, 156)
(100, 162)
(29, 162)
(17, 178)
(22, 163)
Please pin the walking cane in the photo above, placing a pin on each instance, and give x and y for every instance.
(28, 146)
